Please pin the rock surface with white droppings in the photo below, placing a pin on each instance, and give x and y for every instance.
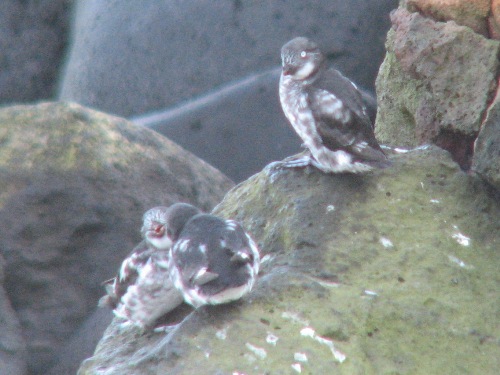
(425, 300)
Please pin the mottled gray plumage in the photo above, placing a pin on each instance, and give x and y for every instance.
(143, 292)
(327, 112)
(214, 261)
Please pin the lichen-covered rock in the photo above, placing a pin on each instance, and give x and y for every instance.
(435, 84)
(390, 272)
(471, 13)
(486, 160)
(75, 183)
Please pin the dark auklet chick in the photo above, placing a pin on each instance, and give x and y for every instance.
(143, 291)
(214, 261)
(327, 112)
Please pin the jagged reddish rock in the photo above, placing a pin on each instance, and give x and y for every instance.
(494, 20)
(428, 87)
(471, 13)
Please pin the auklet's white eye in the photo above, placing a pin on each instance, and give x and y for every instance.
(303, 54)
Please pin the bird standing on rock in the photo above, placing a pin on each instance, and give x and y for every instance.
(327, 112)
(214, 261)
(143, 291)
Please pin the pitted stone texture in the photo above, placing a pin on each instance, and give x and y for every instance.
(428, 88)
(471, 13)
(379, 268)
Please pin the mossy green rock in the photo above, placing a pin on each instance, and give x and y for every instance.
(394, 272)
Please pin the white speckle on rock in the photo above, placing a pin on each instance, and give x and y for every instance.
(300, 357)
(309, 332)
(401, 150)
(330, 208)
(387, 243)
(221, 334)
(461, 239)
(325, 283)
(297, 367)
(259, 352)
(272, 339)
(460, 262)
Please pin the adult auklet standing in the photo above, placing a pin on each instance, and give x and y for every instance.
(327, 112)
(143, 291)
(214, 261)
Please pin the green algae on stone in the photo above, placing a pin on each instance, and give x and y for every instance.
(67, 136)
(390, 272)
(396, 113)
(424, 206)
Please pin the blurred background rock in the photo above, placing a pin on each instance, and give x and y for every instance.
(167, 64)
(204, 74)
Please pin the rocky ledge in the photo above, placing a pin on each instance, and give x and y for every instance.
(391, 272)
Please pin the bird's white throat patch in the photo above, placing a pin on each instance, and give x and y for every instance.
(161, 243)
(305, 71)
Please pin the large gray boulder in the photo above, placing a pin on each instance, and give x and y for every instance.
(131, 58)
(33, 39)
(390, 272)
(238, 139)
(75, 183)
(13, 354)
